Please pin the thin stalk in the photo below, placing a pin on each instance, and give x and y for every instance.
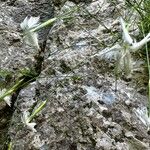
(10, 146)
(148, 65)
(48, 22)
(52, 20)
(136, 8)
(116, 72)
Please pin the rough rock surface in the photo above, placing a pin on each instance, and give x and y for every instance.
(83, 110)
(15, 54)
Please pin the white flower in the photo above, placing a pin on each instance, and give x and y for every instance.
(30, 37)
(142, 114)
(126, 36)
(122, 57)
(122, 53)
(26, 121)
(7, 99)
(29, 23)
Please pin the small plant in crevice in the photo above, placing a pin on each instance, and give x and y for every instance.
(142, 9)
(5, 95)
(30, 26)
(27, 118)
(123, 53)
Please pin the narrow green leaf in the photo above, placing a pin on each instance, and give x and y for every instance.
(37, 110)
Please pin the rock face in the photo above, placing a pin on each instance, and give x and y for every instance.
(83, 110)
(15, 54)
(62, 2)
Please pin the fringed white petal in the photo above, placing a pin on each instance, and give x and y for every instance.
(7, 99)
(31, 38)
(33, 21)
(142, 114)
(126, 36)
(29, 23)
(31, 126)
(24, 24)
(110, 53)
(25, 120)
(25, 117)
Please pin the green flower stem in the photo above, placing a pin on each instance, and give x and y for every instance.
(148, 65)
(37, 111)
(10, 146)
(11, 90)
(48, 22)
